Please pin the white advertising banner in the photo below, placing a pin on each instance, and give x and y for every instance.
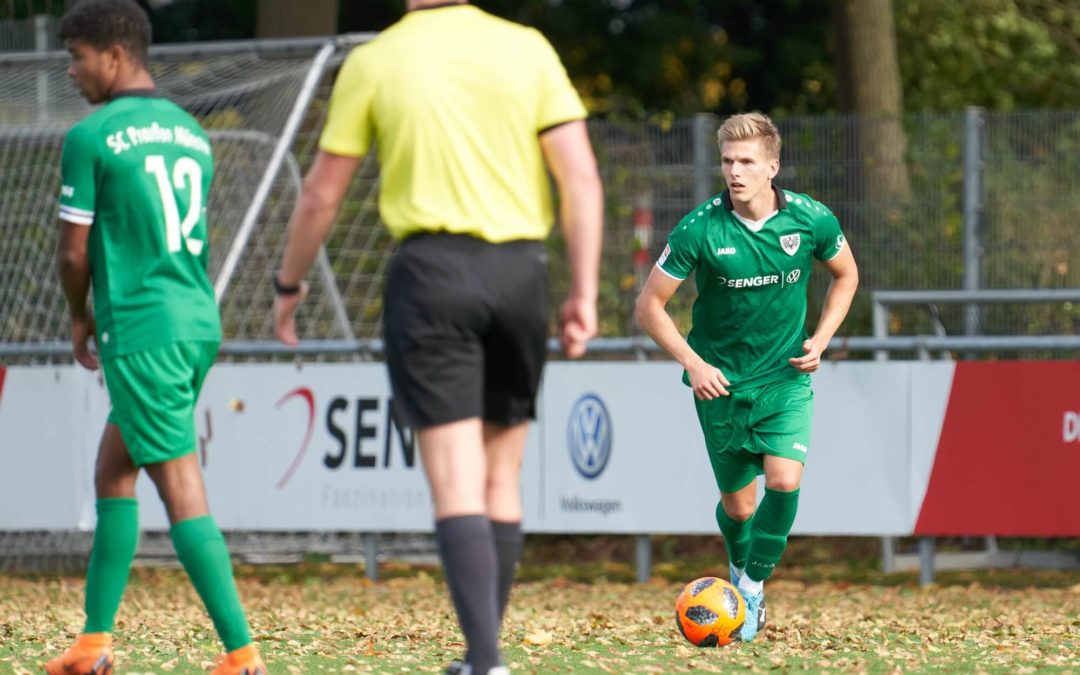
(46, 456)
(617, 449)
(307, 448)
(623, 452)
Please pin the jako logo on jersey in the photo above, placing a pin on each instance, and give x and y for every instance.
(839, 242)
(750, 282)
(800, 447)
(793, 276)
(588, 435)
(67, 190)
(790, 243)
(729, 250)
(664, 255)
(1070, 431)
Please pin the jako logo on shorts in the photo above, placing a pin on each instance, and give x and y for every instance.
(588, 435)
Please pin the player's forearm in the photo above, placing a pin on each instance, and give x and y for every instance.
(74, 273)
(308, 227)
(837, 303)
(658, 324)
(583, 230)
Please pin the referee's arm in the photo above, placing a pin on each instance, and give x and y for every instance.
(323, 192)
(570, 158)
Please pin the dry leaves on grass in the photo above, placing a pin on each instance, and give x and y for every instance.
(345, 624)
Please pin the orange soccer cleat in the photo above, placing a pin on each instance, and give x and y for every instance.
(90, 655)
(243, 661)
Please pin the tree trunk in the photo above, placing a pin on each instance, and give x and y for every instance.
(870, 88)
(290, 18)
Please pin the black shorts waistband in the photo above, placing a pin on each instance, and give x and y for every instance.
(465, 239)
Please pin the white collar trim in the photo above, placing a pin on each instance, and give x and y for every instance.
(753, 225)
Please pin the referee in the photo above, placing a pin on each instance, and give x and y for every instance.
(464, 110)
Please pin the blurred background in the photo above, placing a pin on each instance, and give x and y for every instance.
(946, 137)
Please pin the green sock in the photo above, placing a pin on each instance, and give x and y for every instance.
(202, 551)
(768, 538)
(736, 536)
(116, 537)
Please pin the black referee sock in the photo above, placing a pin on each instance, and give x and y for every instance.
(508, 544)
(467, 550)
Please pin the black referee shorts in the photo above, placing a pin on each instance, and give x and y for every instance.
(465, 328)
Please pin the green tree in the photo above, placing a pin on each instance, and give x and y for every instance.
(639, 57)
(1000, 54)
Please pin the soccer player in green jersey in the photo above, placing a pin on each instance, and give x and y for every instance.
(133, 227)
(748, 356)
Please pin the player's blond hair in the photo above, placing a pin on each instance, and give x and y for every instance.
(748, 126)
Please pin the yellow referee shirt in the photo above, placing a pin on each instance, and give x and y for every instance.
(454, 99)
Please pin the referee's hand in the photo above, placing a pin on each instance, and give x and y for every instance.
(577, 325)
(284, 315)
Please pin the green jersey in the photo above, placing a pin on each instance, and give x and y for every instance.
(750, 313)
(137, 172)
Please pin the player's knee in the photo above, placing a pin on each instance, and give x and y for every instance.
(782, 483)
(180, 486)
(502, 481)
(111, 480)
(740, 511)
(108, 485)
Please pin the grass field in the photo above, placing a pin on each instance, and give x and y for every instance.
(829, 610)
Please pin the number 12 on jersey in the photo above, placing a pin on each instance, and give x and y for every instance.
(187, 174)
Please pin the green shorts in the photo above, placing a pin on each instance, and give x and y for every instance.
(153, 394)
(773, 419)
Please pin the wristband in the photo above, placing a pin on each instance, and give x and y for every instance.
(282, 289)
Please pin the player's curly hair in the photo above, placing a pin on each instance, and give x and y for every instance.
(104, 23)
(747, 126)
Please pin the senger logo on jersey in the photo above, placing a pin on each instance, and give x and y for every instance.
(750, 282)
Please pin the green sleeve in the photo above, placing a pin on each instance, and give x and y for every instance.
(681, 254)
(828, 237)
(78, 172)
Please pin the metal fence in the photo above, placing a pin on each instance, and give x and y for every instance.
(33, 33)
(979, 200)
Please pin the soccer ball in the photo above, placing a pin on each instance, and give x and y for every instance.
(710, 612)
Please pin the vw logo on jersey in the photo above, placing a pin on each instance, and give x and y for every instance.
(790, 243)
(793, 276)
(589, 436)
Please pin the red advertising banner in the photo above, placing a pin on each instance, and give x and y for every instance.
(1008, 457)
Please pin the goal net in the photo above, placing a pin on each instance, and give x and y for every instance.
(263, 105)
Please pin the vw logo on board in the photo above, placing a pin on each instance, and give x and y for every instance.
(589, 436)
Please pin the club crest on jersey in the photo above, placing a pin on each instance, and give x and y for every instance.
(790, 243)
